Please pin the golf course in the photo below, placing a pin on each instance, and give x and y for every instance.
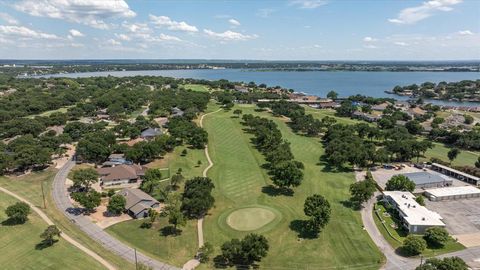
(245, 201)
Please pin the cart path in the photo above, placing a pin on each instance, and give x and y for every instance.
(191, 264)
(63, 235)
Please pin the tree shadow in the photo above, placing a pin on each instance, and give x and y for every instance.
(220, 262)
(170, 231)
(11, 222)
(302, 228)
(45, 244)
(277, 191)
(351, 204)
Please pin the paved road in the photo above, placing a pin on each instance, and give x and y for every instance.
(394, 262)
(63, 203)
(63, 235)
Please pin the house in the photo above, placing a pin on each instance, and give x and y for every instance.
(121, 175)
(116, 159)
(414, 217)
(161, 121)
(241, 89)
(365, 116)
(177, 112)
(416, 112)
(150, 133)
(138, 202)
(381, 107)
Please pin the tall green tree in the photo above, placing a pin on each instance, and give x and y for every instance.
(318, 209)
(401, 183)
(18, 212)
(452, 154)
(84, 178)
(197, 198)
(49, 234)
(116, 204)
(243, 253)
(89, 200)
(362, 191)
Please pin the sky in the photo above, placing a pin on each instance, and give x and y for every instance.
(248, 29)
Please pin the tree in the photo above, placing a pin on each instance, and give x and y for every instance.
(414, 127)
(49, 234)
(84, 178)
(176, 179)
(150, 180)
(436, 236)
(362, 191)
(414, 245)
(287, 174)
(477, 163)
(237, 112)
(468, 119)
(448, 263)
(332, 95)
(452, 154)
(245, 252)
(199, 163)
(176, 218)
(204, 252)
(420, 200)
(184, 152)
(116, 204)
(89, 200)
(318, 209)
(401, 183)
(197, 198)
(18, 212)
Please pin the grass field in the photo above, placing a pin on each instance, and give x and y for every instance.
(48, 113)
(250, 218)
(241, 182)
(20, 251)
(28, 186)
(399, 235)
(197, 87)
(465, 158)
(175, 250)
(331, 113)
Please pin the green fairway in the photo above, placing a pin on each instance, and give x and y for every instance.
(317, 113)
(465, 158)
(241, 182)
(196, 87)
(20, 251)
(29, 186)
(175, 250)
(48, 113)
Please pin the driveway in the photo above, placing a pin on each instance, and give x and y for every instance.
(63, 203)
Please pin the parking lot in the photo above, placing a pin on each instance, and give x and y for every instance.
(381, 175)
(460, 216)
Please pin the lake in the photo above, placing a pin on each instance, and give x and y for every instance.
(318, 83)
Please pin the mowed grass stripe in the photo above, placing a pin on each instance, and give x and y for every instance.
(240, 177)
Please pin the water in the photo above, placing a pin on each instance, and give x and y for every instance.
(318, 83)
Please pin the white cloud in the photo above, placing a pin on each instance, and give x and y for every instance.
(370, 46)
(228, 35)
(426, 9)
(123, 37)
(89, 12)
(401, 43)
(75, 33)
(465, 33)
(234, 22)
(164, 37)
(136, 27)
(8, 19)
(24, 32)
(369, 39)
(113, 42)
(164, 21)
(308, 4)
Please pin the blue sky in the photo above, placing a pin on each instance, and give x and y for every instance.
(270, 30)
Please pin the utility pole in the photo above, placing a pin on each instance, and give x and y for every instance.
(136, 263)
(43, 195)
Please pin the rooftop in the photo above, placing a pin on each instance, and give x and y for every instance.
(420, 178)
(456, 171)
(134, 196)
(453, 191)
(415, 214)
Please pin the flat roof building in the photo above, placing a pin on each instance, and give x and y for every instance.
(425, 180)
(456, 174)
(452, 193)
(415, 218)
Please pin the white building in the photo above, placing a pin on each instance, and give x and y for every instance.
(415, 218)
(452, 193)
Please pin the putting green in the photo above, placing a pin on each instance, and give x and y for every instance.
(250, 219)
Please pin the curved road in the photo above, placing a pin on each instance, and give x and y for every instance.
(63, 203)
(394, 261)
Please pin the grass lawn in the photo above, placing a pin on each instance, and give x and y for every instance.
(48, 113)
(241, 182)
(317, 113)
(464, 158)
(175, 250)
(197, 87)
(20, 251)
(28, 186)
(398, 235)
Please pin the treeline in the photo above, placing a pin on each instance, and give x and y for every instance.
(285, 171)
(466, 89)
